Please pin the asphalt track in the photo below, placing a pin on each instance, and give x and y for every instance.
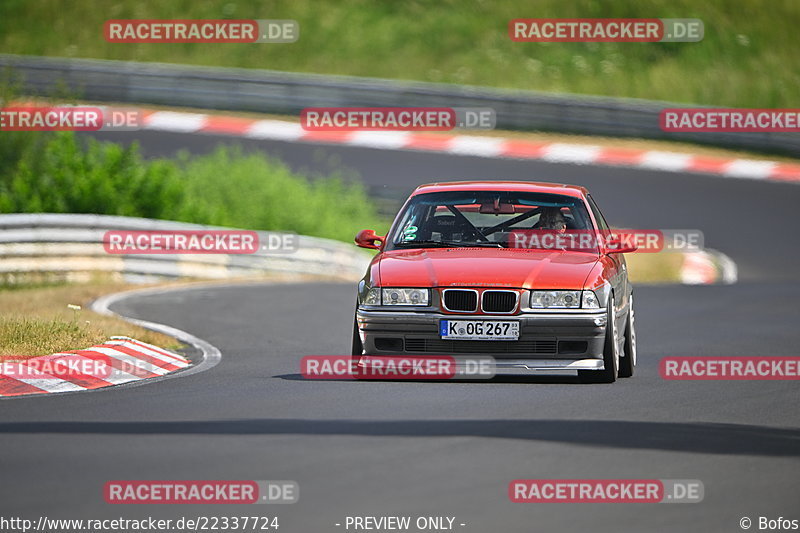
(448, 449)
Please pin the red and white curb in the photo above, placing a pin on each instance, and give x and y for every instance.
(471, 145)
(707, 268)
(120, 360)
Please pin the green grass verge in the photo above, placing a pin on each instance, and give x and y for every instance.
(746, 58)
(36, 320)
(654, 268)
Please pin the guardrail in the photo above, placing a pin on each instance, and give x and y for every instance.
(266, 91)
(69, 246)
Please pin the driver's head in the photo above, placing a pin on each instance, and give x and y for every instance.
(552, 219)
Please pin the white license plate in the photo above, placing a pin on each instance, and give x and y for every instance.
(479, 330)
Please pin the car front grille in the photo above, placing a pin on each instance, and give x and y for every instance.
(444, 347)
(460, 300)
(499, 301)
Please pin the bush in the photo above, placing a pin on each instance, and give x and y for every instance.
(252, 191)
(57, 174)
(105, 178)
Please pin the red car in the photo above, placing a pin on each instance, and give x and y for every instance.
(452, 279)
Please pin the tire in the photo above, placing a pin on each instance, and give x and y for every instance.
(627, 363)
(357, 348)
(610, 353)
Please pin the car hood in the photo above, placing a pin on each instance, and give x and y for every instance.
(485, 267)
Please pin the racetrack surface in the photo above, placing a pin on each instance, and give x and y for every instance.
(419, 448)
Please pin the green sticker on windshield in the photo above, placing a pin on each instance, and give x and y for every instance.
(410, 233)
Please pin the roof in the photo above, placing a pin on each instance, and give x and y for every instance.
(486, 185)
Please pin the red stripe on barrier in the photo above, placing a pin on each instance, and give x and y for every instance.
(620, 156)
(786, 173)
(12, 387)
(327, 136)
(230, 125)
(144, 357)
(523, 149)
(711, 165)
(423, 141)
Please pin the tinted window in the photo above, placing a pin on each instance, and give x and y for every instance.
(483, 218)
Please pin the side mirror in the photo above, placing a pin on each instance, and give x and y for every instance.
(366, 238)
(616, 245)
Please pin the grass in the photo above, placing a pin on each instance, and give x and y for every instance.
(654, 268)
(746, 58)
(35, 320)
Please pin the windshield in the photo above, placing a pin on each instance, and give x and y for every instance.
(484, 218)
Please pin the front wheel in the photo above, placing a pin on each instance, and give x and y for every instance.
(357, 349)
(627, 363)
(610, 352)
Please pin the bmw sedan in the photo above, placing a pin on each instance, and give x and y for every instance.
(527, 273)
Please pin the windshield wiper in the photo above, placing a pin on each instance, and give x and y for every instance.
(479, 244)
(448, 244)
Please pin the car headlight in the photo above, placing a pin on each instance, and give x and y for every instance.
(405, 296)
(373, 297)
(590, 300)
(564, 300)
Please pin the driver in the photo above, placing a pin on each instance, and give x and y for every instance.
(551, 219)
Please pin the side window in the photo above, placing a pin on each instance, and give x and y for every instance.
(598, 216)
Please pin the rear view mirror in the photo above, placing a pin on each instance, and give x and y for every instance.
(366, 239)
(497, 208)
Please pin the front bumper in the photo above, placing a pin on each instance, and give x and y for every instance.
(548, 340)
